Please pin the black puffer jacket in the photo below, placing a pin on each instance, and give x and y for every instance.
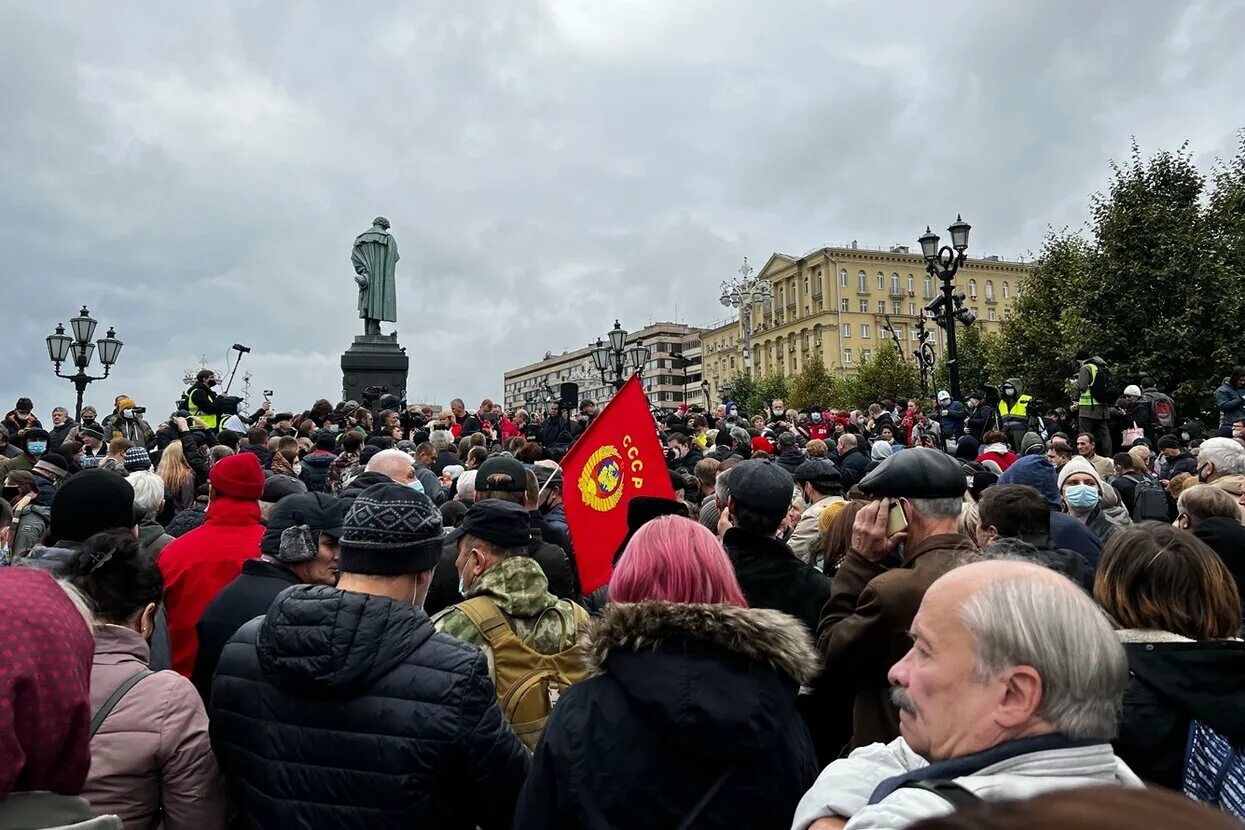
(347, 710)
(677, 695)
(1170, 684)
(315, 472)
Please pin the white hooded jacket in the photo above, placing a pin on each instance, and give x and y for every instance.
(845, 787)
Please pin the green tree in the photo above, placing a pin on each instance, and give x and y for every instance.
(813, 385)
(977, 352)
(883, 376)
(753, 395)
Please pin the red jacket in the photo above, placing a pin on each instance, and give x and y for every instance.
(1003, 459)
(197, 565)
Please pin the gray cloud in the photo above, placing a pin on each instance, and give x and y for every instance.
(196, 177)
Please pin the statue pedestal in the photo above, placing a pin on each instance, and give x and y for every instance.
(374, 360)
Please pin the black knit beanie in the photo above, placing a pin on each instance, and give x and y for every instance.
(391, 530)
(89, 502)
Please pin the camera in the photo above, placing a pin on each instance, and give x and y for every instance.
(138, 410)
(371, 395)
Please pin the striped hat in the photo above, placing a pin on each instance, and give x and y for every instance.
(391, 530)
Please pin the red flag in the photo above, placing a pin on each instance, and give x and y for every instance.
(617, 458)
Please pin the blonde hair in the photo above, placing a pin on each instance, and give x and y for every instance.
(969, 521)
(173, 467)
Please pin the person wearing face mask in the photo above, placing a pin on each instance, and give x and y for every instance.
(1081, 488)
(1014, 410)
(127, 422)
(420, 706)
(20, 417)
(205, 404)
(1230, 399)
(34, 444)
(151, 760)
(301, 545)
(817, 427)
(1221, 464)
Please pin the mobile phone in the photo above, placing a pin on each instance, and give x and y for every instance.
(896, 521)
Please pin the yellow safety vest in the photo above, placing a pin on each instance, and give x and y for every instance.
(1020, 410)
(1087, 396)
(209, 420)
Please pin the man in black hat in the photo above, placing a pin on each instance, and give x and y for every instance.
(821, 486)
(770, 575)
(299, 546)
(879, 586)
(93, 450)
(344, 702)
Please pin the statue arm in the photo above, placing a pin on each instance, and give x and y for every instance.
(360, 268)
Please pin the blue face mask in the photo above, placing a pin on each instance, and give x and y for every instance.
(334, 428)
(1083, 497)
(37, 447)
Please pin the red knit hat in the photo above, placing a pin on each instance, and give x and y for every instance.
(238, 477)
(762, 445)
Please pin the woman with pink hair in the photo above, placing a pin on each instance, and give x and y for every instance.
(688, 715)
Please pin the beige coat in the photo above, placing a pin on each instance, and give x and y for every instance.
(153, 748)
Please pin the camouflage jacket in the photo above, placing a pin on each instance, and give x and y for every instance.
(519, 588)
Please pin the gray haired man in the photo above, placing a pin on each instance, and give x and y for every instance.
(1010, 689)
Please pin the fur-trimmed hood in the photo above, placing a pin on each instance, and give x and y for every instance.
(759, 634)
(718, 679)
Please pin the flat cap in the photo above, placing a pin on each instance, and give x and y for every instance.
(915, 473)
(819, 472)
(763, 485)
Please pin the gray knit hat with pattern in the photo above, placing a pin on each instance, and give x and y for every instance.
(391, 530)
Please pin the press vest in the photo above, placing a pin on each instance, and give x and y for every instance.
(1020, 410)
(210, 420)
(1087, 396)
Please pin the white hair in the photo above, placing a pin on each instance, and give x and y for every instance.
(466, 484)
(393, 463)
(1059, 631)
(441, 439)
(944, 508)
(722, 487)
(1227, 454)
(148, 491)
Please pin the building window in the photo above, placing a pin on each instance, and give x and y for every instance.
(845, 304)
(929, 287)
(881, 306)
(916, 334)
(847, 329)
(990, 314)
(894, 283)
(912, 309)
(911, 285)
(989, 291)
(862, 282)
(864, 330)
(1006, 290)
(864, 306)
(1018, 291)
(847, 355)
(865, 354)
(843, 278)
(881, 281)
(972, 289)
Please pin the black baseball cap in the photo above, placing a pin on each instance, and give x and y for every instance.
(502, 523)
(500, 466)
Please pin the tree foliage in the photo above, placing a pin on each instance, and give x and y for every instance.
(977, 352)
(884, 376)
(753, 395)
(1156, 289)
(813, 385)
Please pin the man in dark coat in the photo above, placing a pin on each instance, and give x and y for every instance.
(877, 593)
(286, 559)
(1018, 514)
(556, 429)
(315, 472)
(769, 574)
(852, 460)
(687, 454)
(790, 457)
(344, 708)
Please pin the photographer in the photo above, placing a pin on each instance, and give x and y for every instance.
(206, 405)
(127, 422)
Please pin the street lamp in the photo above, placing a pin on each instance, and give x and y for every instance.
(943, 264)
(80, 349)
(742, 294)
(924, 354)
(615, 358)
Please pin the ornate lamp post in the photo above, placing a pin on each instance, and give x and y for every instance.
(742, 294)
(61, 347)
(614, 357)
(943, 264)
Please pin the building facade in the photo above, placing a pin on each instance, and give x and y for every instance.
(835, 304)
(673, 371)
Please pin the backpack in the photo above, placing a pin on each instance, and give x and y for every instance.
(1149, 500)
(1214, 770)
(528, 682)
(31, 526)
(1162, 410)
(1102, 389)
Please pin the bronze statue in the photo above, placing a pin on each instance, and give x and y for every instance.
(375, 257)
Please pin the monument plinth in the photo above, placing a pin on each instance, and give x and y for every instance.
(375, 359)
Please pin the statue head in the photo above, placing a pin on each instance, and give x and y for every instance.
(382, 221)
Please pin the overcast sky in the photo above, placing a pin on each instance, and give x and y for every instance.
(196, 173)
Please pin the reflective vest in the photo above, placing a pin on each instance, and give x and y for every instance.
(1087, 396)
(210, 420)
(1020, 410)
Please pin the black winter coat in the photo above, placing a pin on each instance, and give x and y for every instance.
(346, 710)
(790, 460)
(1226, 537)
(1169, 685)
(852, 467)
(260, 452)
(677, 695)
(315, 472)
(249, 596)
(772, 577)
(360, 483)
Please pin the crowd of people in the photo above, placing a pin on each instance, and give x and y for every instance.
(367, 614)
